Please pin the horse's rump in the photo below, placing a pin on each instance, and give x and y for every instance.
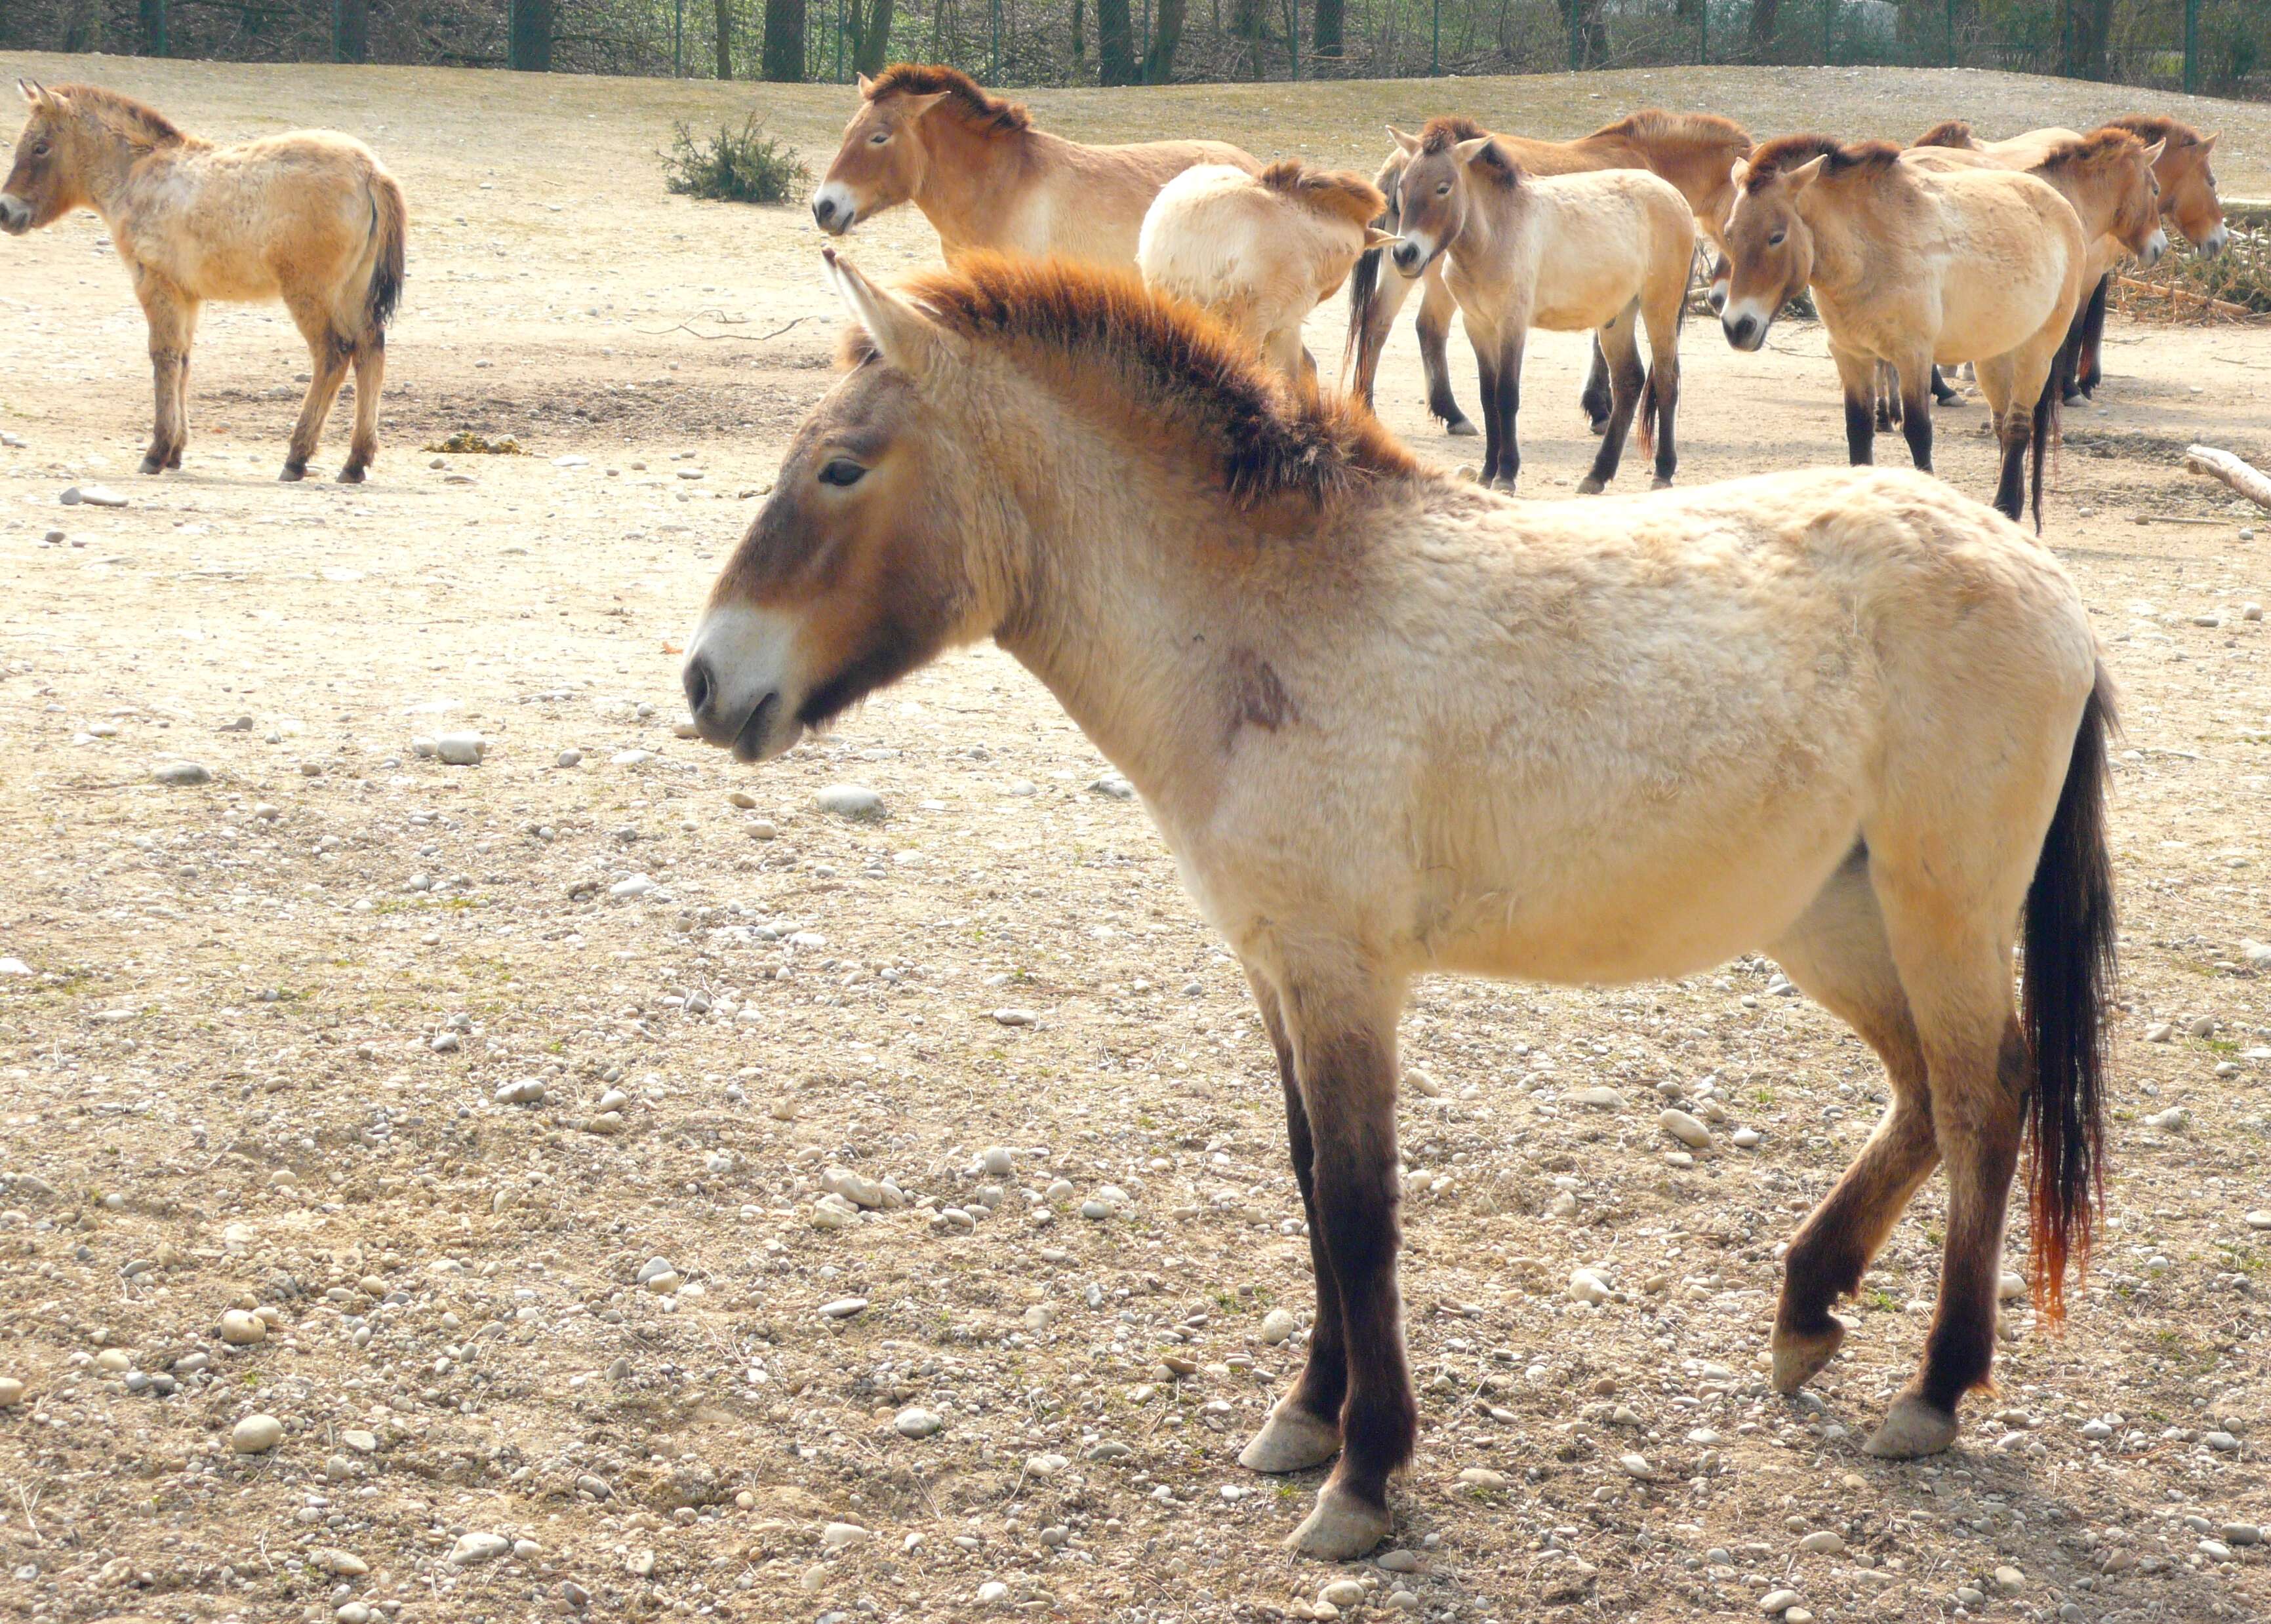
(1948, 132)
(1336, 193)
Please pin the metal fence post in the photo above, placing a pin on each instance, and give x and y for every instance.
(994, 73)
(1828, 29)
(1435, 45)
(2192, 48)
(1951, 33)
(1703, 38)
(164, 43)
(678, 42)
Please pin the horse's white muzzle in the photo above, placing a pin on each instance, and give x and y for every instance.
(834, 209)
(1411, 255)
(2212, 244)
(15, 215)
(2156, 245)
(739, 687)
(1746, 322)
(1716, 298)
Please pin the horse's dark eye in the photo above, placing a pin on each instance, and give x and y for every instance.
(879, 137)
(39, 149)
(1774, 241)
(1444, 190)
(842, 472)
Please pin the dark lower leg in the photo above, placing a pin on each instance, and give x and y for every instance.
(328, 370)
(1860, 429)
(166, 433)
(2011, 486)
(1486, 370)
(1916, 423)
(1626, 386)
(1434, 324)
(1323, 1384)
(1599, 398)
(1831, 1248)
(1888, 401)
(1507, 411)
(1666, 376)
(1980, 1136)
(2087, 374)
(370, 378)
(1940, 389)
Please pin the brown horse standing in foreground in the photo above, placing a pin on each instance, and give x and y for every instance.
(1391, 724)
(2188, 202)
(310, 218)
(1693, 150)
(986, 178)
(1913, 268)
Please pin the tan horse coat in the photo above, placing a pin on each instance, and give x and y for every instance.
(1912, 267)
(1390, 725)
(987, 180)
(1260, 252)
(310, 218)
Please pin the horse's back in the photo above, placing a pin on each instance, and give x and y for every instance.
(1629, 228)
(2015, 256)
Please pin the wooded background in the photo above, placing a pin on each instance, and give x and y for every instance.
(2214, 47)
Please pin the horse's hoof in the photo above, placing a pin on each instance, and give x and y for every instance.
(351, 475)
(293, 471)
(154, 464)
(1662, 482)
(1599, 425)
(1591, 486)
(1502, 482)
(1460, 428)
(1342, 1527)
(2073, 397)
(1915, 1426)
(1798, 1355)
(1291, 1440)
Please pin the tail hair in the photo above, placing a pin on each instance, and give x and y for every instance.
(390, 227)
(1364, 276)
(2070, 968)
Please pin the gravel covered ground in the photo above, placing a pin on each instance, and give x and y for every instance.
(463, 1192)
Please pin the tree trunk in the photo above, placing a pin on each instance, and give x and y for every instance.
(82, 30)
(1328, 40)
(1159, 60)
(1115, 43)
(1079, 39)
(784, 47)
(1764, 15)
(351, 39)
(725, 14)
(529, 49)
(871, 35)
(153, 41)
(2085, 30)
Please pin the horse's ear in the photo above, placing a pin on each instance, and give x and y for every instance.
(1408, 144)
(904, 336)
(866, 86)
(1806, 174)
(1740, 174)
(2206, 142)
(2153, 153)
(1375, 238)
(915, 106)
(33, 94)
(1467, 152)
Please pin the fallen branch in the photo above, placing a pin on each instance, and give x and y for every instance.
(2222, 306)
(2222, 465)
(682, 327)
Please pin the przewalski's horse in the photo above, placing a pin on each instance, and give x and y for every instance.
(310, 218)
(1912, 267)
(1260, 252)
(2188, 202)
(986, 178)
(1865, 731)
(2106, 178)
(1605, 250)
(1693, 150)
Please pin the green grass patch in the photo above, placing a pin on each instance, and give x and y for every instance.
(733, 166)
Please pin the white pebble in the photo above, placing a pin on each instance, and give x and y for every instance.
(256, 1435)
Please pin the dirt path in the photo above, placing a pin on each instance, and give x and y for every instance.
(253, 1058)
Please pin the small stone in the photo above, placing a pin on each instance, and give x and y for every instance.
(256, 1435)
(2259, 1218)
(1481, 1477)
(2011, 1287)
(636, 886)
(1586, 1286)
(94, 496)
(996, 1161)
(1637, 1466)
(527, 1091)
(2215, 1550)
(477, 1548)
(361, 1442)
(1014, 1016)
(1746, 1139)
(1686, 1128)
(2221, 1443)
(833, 1211)
(1422, 1082)
(1341, 1593)
(240, 1328)
(460, 749)
(12, 1392)
(2241, 1534)
(1599, 1099)
(2010, 1580)
(854, 801)
(14, 967)
(346, 1564)
(2159, 1032)
(1823, 1542)
(992, 1593)
(837, 1536)
(844, 1308)
(1277, 1326)
(569, 758)
(856, 1188)
(183, 772)
(1777, 1601)
(917, 1422)
(1399, 1561)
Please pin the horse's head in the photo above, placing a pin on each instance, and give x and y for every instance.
(883, 158)
(2137, 217)
(2188, 192)
(851, 576)
(1441, 166)
(1770, 245)
(44, 184)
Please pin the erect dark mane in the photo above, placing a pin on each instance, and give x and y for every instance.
(138, 121)
(1189, 376)
(1327, 191)
(975, 106)
(1440, 134)
(2151, 126)
(1656, 124)
(2097, 145)
(1949, 132)
(1784, 153)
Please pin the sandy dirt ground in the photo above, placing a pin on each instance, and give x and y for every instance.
(497, 1101)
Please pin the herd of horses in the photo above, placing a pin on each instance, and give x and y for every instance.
(1389, 722)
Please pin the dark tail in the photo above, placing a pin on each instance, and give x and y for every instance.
(1364, 286)
(2046, 417)
(2086, 373)
(390, 225)
(1646, 430)
(2069, 981)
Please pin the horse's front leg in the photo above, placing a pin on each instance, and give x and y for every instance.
(1917, 376)
(1304, 1428)
(1344, 1038)
(1858, 373)
(173, 317)
(1599, 397)
(1436, 305)
(1503, 413)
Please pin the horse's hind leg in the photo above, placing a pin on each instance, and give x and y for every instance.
(1944, 393)
(173, 317)
(1620, 343)
(1913, 376)
(1837, 954)
(1888, 397)
(1858, 374)
(1599, 398)
(2087, 376)
(329, 351)
(370, 378)
(1304, 1428)
(1436, 307)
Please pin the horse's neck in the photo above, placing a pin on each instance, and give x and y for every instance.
(108, 160)
(1841, 246)
(964, 185)
(2091, 193)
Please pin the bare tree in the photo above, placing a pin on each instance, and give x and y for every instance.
(529, 48)
(1167, 35)
(784, 47)
(1115, 43)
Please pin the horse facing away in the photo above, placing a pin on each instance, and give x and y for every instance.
(1391, 724)
(1260, 252)
(1693, 150)
(987, 180)
(310, 218)
(2189, 203)
(1607, 250)
(1912, 267)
